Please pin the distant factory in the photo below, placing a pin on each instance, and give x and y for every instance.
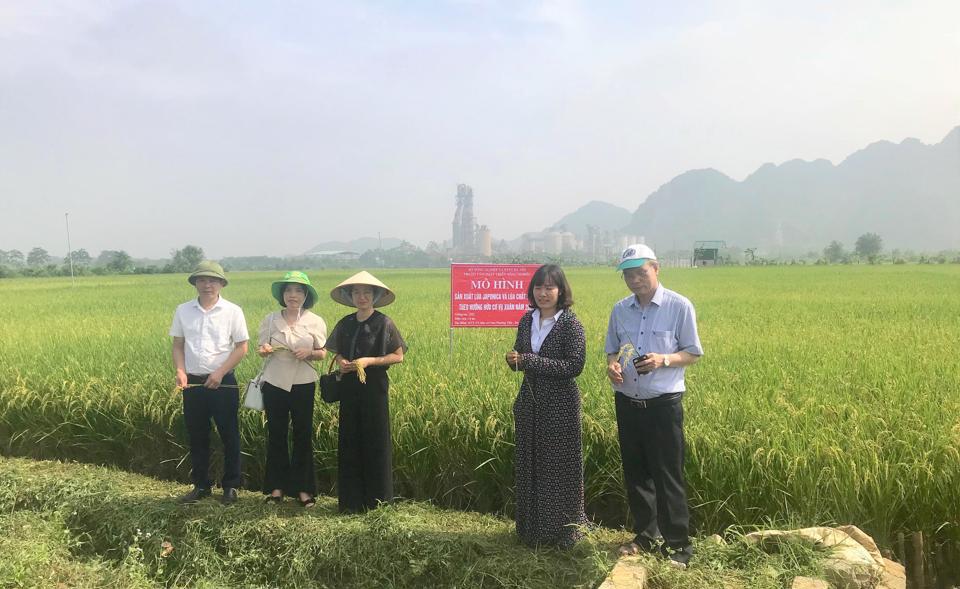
(472, 241)
(469, 238)
(596, 243)
(551, 242)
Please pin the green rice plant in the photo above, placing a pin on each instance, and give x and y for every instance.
(827, 394)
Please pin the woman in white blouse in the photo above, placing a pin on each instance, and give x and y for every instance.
(290, 339)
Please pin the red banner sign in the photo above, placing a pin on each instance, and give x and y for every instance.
(489, 295)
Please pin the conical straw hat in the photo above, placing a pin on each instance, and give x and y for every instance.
(342, 294)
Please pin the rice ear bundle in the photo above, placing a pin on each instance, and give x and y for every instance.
(361, 373)
(626, 350)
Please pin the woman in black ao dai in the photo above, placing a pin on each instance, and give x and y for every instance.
(367, 339)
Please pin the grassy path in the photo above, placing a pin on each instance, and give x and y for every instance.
(84, 526)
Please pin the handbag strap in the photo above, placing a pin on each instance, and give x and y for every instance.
(353, 345)
(299, 312)
(269, 339)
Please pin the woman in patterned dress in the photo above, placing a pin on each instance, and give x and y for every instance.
(548, 463)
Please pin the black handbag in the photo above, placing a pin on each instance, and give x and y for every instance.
(330, 384)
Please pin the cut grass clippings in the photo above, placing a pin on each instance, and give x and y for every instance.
(38, 551)
(85, 526)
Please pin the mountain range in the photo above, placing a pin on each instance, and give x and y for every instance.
(359, 245)
(597, 213)
(907, 192)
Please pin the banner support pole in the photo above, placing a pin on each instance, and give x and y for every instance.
(451, 346)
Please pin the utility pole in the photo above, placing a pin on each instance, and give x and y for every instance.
(66, 218)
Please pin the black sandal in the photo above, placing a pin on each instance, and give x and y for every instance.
(308, 502)
(273, 499)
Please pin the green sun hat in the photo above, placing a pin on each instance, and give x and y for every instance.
(207, 268)
(294, 277)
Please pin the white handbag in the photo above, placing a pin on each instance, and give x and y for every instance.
(253, 398)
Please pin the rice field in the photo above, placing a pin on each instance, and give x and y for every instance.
(827, 394)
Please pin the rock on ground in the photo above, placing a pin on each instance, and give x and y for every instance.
(809, 583)
(855, 561)
(627, 574)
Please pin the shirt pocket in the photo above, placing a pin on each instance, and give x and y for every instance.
(221, 338)
(664, 342)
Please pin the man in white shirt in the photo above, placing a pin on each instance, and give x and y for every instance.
(209, 340)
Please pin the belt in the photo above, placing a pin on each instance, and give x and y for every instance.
(665, 399)
(204, 376)
(197, 380)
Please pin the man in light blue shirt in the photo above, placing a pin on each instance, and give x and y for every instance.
(651, 339)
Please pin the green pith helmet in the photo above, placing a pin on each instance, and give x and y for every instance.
(294, 277)
(207, 268)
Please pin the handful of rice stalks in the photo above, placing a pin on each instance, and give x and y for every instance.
(626, 351)
(361, 373)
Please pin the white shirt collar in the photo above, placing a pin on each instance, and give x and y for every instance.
(219, 303)
(536, 316)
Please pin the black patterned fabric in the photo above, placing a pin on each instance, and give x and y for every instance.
(364, 447)
(548, 463)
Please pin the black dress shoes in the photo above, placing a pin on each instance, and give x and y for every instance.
(678, 557)
(196, 494)
(229, 496)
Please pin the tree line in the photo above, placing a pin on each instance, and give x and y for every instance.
(39, 262)
(869, 248)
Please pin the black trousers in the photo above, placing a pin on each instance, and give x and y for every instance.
(292, 474)
(652, 451)
(200, 405)
(364, 448)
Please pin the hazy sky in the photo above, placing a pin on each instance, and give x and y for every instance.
(251, 127)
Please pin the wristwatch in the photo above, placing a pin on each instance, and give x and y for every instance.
(666, 360)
